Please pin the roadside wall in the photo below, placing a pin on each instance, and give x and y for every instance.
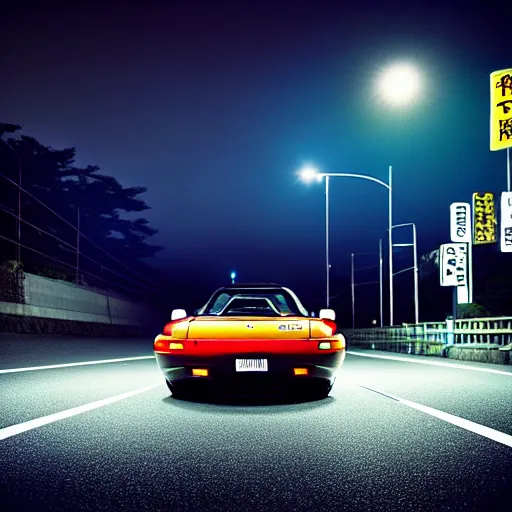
(47, 298)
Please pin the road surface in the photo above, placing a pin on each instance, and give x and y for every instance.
(108, 436)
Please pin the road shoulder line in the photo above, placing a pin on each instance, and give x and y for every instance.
(433, 363)
(477, 428)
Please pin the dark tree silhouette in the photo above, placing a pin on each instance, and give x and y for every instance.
(99, 201)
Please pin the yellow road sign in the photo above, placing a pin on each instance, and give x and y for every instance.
(484, 222)
(501, 109)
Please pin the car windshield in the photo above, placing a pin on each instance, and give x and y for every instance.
(253, 302)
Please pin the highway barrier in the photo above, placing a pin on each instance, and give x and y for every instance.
(43, 305)
(470, 339)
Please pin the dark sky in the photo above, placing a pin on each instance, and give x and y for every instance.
(213, 106)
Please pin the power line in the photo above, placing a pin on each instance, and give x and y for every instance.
(2, 207)
(64, 263)
(78, 231)
(366, 268)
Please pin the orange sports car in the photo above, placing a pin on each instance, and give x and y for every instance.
(253, 336)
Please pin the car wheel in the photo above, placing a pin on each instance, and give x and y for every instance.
(324, 389)
(176, 391)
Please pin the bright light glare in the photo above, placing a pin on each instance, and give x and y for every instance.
(308, 174)
(233, 275)
(400, 84)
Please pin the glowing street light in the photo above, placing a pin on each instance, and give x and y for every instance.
(308, 174)
(400, 84)
(233, 275)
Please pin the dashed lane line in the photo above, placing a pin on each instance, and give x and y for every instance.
(433, 363)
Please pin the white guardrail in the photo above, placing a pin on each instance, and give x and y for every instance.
(495, 331)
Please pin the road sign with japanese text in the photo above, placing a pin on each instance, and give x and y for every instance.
(506, 222)
(453, 264)
(501, 109)
(460, 222)
(484, 219)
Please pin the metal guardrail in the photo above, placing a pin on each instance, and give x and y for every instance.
(494, 331)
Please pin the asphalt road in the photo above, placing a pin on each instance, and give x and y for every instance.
(372, 445)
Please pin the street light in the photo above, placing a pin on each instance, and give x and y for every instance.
(233, 275)
(309, 173)
(399, 84)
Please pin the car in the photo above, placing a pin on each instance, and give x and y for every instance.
(251, 336)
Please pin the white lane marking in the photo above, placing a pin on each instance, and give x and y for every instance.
(44, 420)
(433, 363)
(489, 433)
(66, 365)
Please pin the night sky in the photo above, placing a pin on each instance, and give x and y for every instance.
(213, 106)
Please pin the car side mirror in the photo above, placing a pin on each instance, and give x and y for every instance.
(177, 314)
(327, 314)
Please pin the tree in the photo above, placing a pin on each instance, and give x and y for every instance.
(472, 311)
(102, 200)
(51, 176)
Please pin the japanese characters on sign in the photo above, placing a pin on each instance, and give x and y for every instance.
(484, 221)
(501, 109)
(506, 222)
(460, 222)
(453, 264)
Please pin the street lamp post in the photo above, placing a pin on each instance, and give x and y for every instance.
(353, 291)
(327, 264)
(309, 173)
(380, 285)
(414, 268)
(233, 275)
(390, 244)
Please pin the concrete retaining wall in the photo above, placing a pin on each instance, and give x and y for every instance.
(59, 300)
(480, 354)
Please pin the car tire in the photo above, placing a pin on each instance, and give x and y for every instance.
(176, 391)
(324, 389)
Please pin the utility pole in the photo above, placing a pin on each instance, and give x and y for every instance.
(77, 244)
(380, 284)
(353, 291)
(18, 246)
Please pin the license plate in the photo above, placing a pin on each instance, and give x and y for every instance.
(251, 365)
